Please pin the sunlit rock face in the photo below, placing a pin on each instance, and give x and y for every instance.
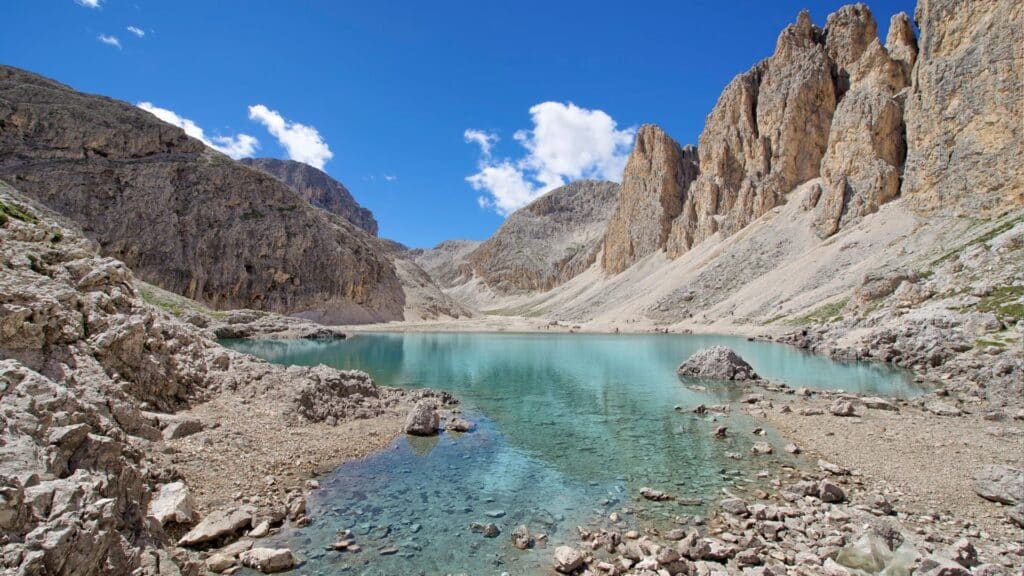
(965, 140)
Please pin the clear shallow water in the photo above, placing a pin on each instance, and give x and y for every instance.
(569, 427)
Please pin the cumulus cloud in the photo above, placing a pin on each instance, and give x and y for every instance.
(303, 143)
(109, 40)
(139, 32)
(88, 3)
(566, 143)
(240, 146)
(390, 177)
(483, 139)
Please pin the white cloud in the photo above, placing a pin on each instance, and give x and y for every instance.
(390, 177)
(137, 31)
(566, 143)
(88, 3)
(109, 40)
(303, 143)
(484, 139)
(239, 146)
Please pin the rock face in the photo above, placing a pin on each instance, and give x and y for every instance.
(547, 242)
(866, 149)
(446, 262)
(182, 216)
(654, 186)
(717, 363)
(318, 189)
(767, 133)
(967, 76)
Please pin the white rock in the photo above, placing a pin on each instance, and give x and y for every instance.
(173, 503)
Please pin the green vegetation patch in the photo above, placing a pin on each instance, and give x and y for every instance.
(1005, 302)
(983, 343)
(822, 314)
(987, 236)
(172, 303)
(8, 211)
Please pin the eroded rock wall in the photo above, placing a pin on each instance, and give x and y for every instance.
(184, 217)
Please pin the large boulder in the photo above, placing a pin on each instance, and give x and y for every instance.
(567, 559)
(423, 419)
(218, 525)
(268, 560)
(1000, 484)
(173, 503)
(717, 363)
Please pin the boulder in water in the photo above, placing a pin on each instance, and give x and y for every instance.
(717, 363)
(423, 419)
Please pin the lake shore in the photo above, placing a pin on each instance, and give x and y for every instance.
(923, 456)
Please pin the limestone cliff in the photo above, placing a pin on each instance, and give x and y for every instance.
(547, 242)
(654, 186)
(965, 134)
(318, 189)
(767, 133)
(867, 146)
(182, 216)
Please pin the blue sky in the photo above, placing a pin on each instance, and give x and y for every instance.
(391, 88)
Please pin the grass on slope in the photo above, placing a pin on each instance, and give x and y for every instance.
(1006, 302)
(172, 303)
(8, 211)
(822, 314)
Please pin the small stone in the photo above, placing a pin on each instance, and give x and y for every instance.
(654, 495)
(841, 408)
(219, 562)
(719, 432)
(521, 539)
(830, 492)
(761, 448)
(792, 448)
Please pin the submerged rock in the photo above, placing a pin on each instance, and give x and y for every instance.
(717, 363)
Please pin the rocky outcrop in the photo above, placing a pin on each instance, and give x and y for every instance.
(965, 140)
(654, 187)
(866, 149)
(446, 262)
(717, 363)
(182, 216)
(547, 242)
(81, 358)
(318, 189)
(767, 133)
(423, 419)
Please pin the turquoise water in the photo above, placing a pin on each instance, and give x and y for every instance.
(569, 427)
